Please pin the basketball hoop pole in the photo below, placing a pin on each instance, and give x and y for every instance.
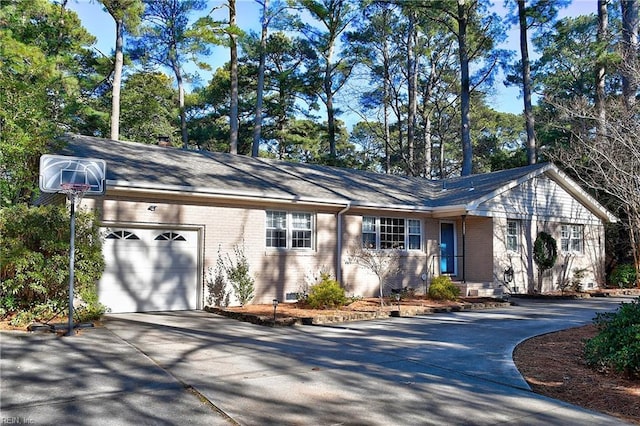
(74, 193)
(72, 250)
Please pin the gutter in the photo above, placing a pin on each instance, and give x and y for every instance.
(339, 241)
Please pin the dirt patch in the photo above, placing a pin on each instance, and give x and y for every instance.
(553, 366)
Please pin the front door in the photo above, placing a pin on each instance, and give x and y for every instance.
(447, 248)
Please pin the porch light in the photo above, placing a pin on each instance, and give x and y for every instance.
(508, 275)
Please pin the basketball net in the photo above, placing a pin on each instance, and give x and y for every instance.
(75, 191)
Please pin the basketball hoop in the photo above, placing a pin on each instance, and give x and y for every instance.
(74, 191)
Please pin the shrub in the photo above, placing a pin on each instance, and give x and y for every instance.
(217, 284)
(617, 344)
(34, 278)
(326, 294)
(623, 276)
(442, 288)
(238, 273)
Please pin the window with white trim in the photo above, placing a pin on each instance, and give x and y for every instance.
(513, 235)
(572, 238)
(122, 235)
(389, 233)
(289, 230)
(170, 236)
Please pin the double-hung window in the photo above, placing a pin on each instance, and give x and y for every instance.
(289, 230)
(513, 235)
(571, 238)
(391, 233)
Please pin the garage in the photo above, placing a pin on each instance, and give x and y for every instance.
(149, 270)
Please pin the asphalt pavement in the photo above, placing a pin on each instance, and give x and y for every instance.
(194, 367)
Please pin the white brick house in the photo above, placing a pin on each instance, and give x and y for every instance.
(167, 213)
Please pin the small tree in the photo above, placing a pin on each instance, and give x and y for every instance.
(238, 272)
(217, 284)
(383, 263)
(545, 254)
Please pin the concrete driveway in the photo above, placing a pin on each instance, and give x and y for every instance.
(199, 368)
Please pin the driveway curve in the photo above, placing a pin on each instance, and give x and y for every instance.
(452, 368)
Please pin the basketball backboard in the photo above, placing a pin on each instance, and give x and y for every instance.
(58, 170)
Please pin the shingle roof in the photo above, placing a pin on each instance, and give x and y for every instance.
(157, 168)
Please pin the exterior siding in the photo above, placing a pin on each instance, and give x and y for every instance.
(542, 205)
(539, 197)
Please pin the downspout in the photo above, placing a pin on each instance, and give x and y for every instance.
(339, 242)
(464, 251)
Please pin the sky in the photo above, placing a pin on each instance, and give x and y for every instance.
(100, 24)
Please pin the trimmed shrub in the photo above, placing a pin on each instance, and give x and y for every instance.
(623, 276)
(617, 345)
(326, 294)
(442, 288)
(34, 278)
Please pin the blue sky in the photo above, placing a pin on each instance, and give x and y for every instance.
(100, 24)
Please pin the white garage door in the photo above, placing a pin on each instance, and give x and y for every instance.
(149, 270)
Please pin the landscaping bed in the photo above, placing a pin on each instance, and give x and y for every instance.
(288, 314)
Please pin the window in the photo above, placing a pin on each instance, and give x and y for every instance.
(513, 235)
(122, 235)
(388, 233)
(300, 230)
(289, 230)
(369, 232)
(415, 234)
(571, 238)
(392, 233)
(170, 236)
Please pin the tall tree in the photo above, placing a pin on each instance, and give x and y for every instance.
(43, 49)
(330, 20)
(477, 31)
(125, 13)
(166, 40)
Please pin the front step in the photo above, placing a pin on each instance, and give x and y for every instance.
(473, 289)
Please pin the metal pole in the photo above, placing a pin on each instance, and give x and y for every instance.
(464, 248)
(72, 261)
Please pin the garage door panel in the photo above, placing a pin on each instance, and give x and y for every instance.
(150, 274)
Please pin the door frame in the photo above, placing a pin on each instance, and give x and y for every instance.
(455, 247)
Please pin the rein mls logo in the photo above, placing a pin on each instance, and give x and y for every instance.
(17, 421)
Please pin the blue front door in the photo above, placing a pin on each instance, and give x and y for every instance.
(447, 248)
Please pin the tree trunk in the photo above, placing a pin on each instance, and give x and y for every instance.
(603, 18)
(257, 124)
(183, 116)
(233, 108)
(117, 81)
(331, 124)
(526, 84)
(629, 50)
(465, 96)
(412, 77)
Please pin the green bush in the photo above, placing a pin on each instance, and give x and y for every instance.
(326, 294)
(623, 276)
(442, 288)
(34, 277)
(617, 345)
